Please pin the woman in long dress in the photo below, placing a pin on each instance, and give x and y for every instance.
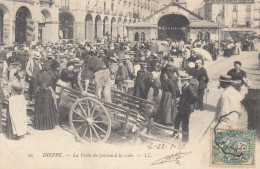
(230, 112)
(168, 109)
(46, 117)
(17, 115)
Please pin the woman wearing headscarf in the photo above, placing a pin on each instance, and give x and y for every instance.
(168, 109)
(46, 116)
(16, 125)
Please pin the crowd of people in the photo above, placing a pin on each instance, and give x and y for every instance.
(30, 75)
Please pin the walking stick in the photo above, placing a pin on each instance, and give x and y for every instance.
(210, 124)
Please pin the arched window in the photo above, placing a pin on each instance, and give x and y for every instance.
(136, 36)
(207, 36)
(142, 37)
(199, 35)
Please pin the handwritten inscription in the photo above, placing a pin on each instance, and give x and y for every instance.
(161, 146)
(175, 157)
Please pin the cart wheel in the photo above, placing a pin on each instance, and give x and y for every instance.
(90, 120)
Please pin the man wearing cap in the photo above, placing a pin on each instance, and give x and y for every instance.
(143, 82)
(187, 98)
(129, 66)
(121, 74)
(93, 66)
(32, 68)
(237, 73)
(202, 76)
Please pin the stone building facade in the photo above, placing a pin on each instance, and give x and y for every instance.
(24, 21)
(236, 15)
(91, 19)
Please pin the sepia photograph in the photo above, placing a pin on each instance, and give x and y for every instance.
(123, 84)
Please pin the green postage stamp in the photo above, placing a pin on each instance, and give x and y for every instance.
(233, 148)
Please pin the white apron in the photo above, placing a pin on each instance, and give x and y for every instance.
(18, 114)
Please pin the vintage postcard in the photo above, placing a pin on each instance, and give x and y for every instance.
(123, 84)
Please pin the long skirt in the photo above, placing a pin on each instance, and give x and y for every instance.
(46, 116)
(16, 117)
(167, 111)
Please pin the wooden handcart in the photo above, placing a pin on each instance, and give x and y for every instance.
(92, 119)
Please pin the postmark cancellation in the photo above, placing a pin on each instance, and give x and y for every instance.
(232, 148)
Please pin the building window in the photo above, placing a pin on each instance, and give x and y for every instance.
(248, 7)
(234, 24)
(142, 37)
(112, 7)
(64, 2)
(248, 14)
(199, 35)
(234, 0)
(234, 7)
(136, 36)
(234, 15)
(248, 24)
(105, 5)
(207, 36)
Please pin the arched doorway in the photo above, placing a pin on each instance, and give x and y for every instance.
(5, 31)
(207, 36)
(66, 25)
(136, 36)
(173, 26)
(44, 27)
(98, 27)
(105, 26)
(199, 35)
(89, 28)
(113, 28)
(24, 26)
(120, 28)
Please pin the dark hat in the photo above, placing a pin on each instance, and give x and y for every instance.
(131, 53)
(143, 64)
(15, 64)
(185, 77)
(225, 78)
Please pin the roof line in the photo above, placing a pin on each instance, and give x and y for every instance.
(200, 17)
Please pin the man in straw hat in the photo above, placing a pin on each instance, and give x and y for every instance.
(187, 98)
(230, 101)
(32, 68)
